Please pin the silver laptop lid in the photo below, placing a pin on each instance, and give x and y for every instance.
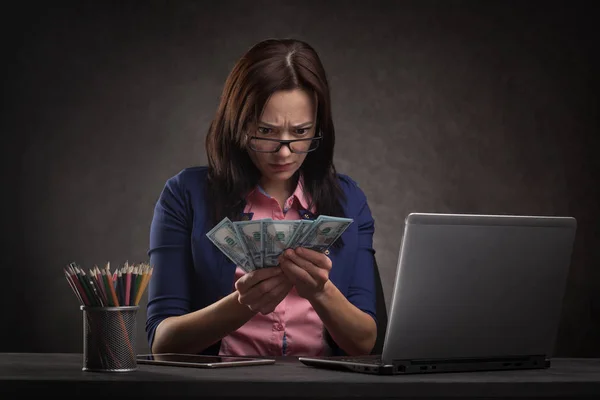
(470, 286)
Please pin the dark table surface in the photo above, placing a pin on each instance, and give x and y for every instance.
(24, 374)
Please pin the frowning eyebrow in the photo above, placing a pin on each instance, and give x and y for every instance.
(302, 125)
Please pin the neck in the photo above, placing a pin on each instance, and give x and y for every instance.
(280, 190)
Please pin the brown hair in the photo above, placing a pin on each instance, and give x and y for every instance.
(269, 66)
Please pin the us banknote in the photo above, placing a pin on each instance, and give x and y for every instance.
(277, 236)
(250, 233)
(304, 226)
(259, 243)
(324, 231)
(225, 237)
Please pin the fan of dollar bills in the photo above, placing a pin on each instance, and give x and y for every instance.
(258, 243)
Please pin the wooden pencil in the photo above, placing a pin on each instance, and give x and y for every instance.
(111, 286)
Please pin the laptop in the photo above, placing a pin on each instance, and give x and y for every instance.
(472, 293)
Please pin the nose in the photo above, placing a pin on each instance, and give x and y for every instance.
(284, 151)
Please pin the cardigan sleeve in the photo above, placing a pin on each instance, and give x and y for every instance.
(361, 291)
(170, 256)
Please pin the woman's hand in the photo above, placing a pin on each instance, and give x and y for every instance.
(307, 270)
(263, 289)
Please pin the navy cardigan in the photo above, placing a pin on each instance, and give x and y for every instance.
(190, 272)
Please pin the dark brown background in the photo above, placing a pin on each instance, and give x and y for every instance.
(447, 106)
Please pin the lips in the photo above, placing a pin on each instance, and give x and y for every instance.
(281, 167)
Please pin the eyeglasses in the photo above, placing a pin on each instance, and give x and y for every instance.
(265, 145)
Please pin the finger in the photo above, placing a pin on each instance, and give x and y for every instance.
(297, 274)
(289, 276)
(319, 259)
(260, 289)
(277, 297)
(321, 274)
(253, 277)
(272, 299)
(282, 259)
(268, 298)
(257, 291)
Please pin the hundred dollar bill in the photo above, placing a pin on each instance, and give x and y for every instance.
(250, 232)
(224, 236)
(276, 238)
(302, 229)
(324, 231)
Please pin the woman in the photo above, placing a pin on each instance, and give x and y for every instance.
(270, 150)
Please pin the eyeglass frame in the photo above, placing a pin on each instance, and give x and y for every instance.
(285, 143)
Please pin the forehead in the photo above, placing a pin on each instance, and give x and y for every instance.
(294, 106)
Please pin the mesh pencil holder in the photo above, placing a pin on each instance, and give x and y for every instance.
(109, 335)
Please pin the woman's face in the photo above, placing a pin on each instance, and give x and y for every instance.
(288, 115)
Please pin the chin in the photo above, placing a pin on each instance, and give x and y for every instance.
(281, 176)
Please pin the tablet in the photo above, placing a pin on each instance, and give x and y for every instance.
(200, 361)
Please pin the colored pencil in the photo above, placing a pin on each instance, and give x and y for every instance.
(128, 271)
(73, 287)
(147, 273)
(99, 287)
(111, 286)
(102, 287)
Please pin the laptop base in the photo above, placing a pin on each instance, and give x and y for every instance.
(353, 366)
(429, 365)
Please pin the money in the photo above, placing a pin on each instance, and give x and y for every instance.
(277, 236)
(250, 232)
(258, 244)
(323, 232)
(224, 236)
(300, 232)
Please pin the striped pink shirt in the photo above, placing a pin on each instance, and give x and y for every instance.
(294, 328)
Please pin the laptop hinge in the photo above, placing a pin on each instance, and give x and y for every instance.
(471, 364)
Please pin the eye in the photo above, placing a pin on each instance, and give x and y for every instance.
(263, 130)
(302, 131)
